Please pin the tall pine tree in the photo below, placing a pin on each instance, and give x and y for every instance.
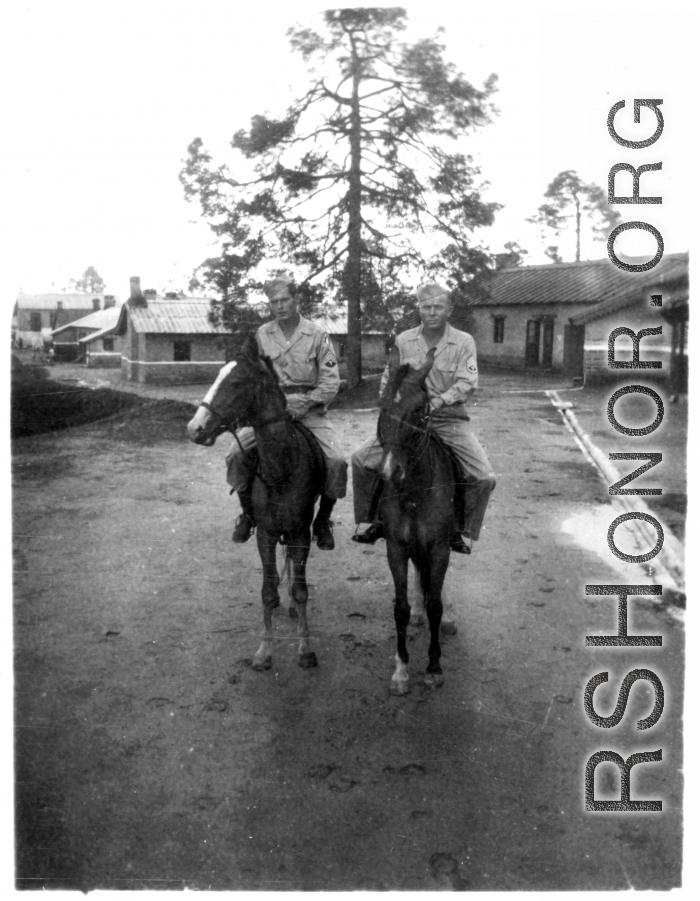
(569, 199)
(355, 185)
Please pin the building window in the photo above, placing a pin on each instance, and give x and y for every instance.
(35, 322)
(183, 351)
(342, 348)
(95, 303)
(108, 344)
(499, 328)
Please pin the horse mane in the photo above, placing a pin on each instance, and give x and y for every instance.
(263, 364)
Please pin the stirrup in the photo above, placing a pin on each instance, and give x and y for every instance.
(370, 535)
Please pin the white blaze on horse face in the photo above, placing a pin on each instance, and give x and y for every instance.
(201, 419)
(198, 423)
(223, 372)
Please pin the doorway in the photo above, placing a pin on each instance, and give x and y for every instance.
(574, 336)
(539, 343)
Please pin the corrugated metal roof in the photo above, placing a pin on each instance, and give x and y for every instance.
(671, 281)
(68, 301)
(101, 334)
(186, 316)
(333, 325)
(570, 283)
(100, 319)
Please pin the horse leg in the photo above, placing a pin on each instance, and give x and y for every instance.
(267, 546)
(436, 566)
(398, 563)
(298, 552)
(416, 599)
(288, 575)
(448, 626)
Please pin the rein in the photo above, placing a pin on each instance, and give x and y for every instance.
(232, 424)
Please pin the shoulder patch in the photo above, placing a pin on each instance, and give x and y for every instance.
(472, 368)
(330, 363)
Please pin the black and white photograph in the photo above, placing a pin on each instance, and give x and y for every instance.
(348, 400)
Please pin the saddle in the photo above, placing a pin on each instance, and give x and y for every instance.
(308, 436)
(312, 441)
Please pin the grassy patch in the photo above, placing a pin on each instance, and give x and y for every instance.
(41, 405)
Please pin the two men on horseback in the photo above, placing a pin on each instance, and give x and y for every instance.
(304, 361)
(451, 380)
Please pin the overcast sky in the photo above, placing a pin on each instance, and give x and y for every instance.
(102, 99)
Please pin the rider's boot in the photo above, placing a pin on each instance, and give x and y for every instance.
(245, 524)
(458, 545)
(323, 525)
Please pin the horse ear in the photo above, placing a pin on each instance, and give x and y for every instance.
(268, 362)
(250, 348)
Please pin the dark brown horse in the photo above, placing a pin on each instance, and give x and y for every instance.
(289, 478)
(417, 507)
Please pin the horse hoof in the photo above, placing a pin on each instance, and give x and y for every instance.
(433, 680)
(398, 688)
(448, 627)
(262, 664)
(293, 613)
(308, 660)
(417, 619)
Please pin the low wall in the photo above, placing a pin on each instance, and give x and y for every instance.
(170, 373)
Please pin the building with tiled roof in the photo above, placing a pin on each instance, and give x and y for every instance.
(530, 316)
(169, 340)
(373, 343)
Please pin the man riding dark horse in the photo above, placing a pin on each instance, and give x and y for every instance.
(304, 361)
(452, 378)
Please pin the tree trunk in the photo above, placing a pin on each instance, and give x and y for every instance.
(578, 230)
(353, 265)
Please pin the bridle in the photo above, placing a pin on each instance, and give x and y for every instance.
(424, 429)
(223, 423)
(231, 424)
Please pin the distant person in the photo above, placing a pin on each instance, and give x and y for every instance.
(37, 347)
(304, 360)
(453, 377)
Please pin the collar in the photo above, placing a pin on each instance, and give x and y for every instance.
(448, 337)
(275, 330)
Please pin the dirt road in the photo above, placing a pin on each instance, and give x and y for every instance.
(150, 754)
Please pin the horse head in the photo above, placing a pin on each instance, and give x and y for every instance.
(403, 416)
(246, 392)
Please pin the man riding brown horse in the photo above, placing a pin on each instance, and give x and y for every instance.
(451, 379)
(304, 361)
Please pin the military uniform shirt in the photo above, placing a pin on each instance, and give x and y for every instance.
(454, 374)
(307, 360)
